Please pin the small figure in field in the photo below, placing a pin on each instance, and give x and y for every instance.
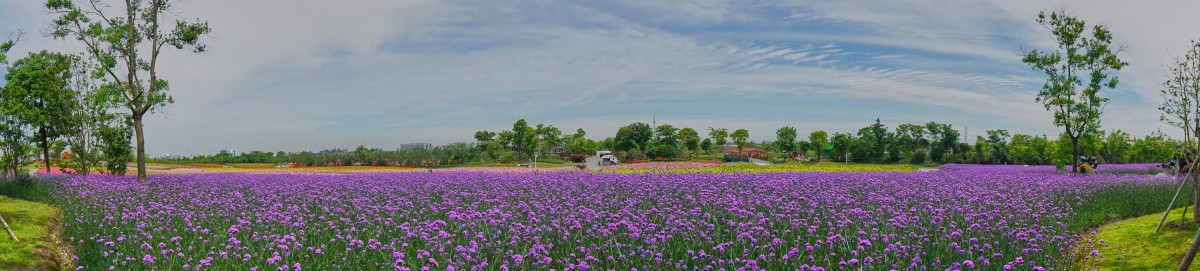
(1087, 164)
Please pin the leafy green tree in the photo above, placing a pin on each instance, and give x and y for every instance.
(524, 138)
(718, 135)
(818, 139)
(1020, 150)
(910, 137)
(877, 137)
(706, 145)
(1154, 147)
(548, 136)
(841, 145)
(785, 140)
(666, 134)
(635, 136)
(691, 138)
(739, 137)
(127, 40)
(11, 133)
(115, 145)
(37, 94)
(998, 146)
(484, 136)
(1076, 104)
(1116, 147)
(15, 146)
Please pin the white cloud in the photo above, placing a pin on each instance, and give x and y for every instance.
(303, 75)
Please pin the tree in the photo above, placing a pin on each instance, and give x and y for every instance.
(117, 44)
(524, 138)
(1077, 106)
(1116, 147)
(785, 139)
(706, 145)
(548, 136)
(1021, 150)
(718, 135)
(691, 138)
(11, 132)
(739, 137)
(877, 137)
(37, 94)
(114, 143)
(666, 134)
(998, 145)
(635, 136)
(910, 137)
(484, 136)
(93, 111)
(818, 139)
(1181, 94)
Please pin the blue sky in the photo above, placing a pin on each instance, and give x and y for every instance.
(308, 75)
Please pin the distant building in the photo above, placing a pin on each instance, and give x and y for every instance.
(413, 146)
(230, 152)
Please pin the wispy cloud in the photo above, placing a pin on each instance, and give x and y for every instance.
(285, 75)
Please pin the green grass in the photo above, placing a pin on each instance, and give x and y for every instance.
(1132, 244)
(32, 222)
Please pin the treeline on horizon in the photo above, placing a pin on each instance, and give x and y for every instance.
(930, 143)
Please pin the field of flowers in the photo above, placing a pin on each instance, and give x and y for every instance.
(966, 218)
(752, 168)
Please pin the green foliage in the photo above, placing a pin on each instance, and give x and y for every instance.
(841, 145)
(484, 136)
(998, 146)
(662, 150)
(875, 139)
(1116, 147)
(706, 145)
(37, 95)
(691, 138)
(4, 47)
(918, 157)
(115, 44)
(666, 135)
(785, 140)
(523, 138)
(718, 135)
(739, 137)
(114, 143)
(635, 136)
(1076, 104)
(818, 140)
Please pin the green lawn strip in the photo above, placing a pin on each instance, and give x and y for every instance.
(1133, 245)
(31, 222)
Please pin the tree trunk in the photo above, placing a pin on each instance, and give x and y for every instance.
(1191, 253)
(1195, 197)
(141, 148)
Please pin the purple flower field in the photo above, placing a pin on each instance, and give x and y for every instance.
(952, 219)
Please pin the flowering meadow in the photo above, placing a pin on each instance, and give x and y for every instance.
(962, 219)
(705, 167)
